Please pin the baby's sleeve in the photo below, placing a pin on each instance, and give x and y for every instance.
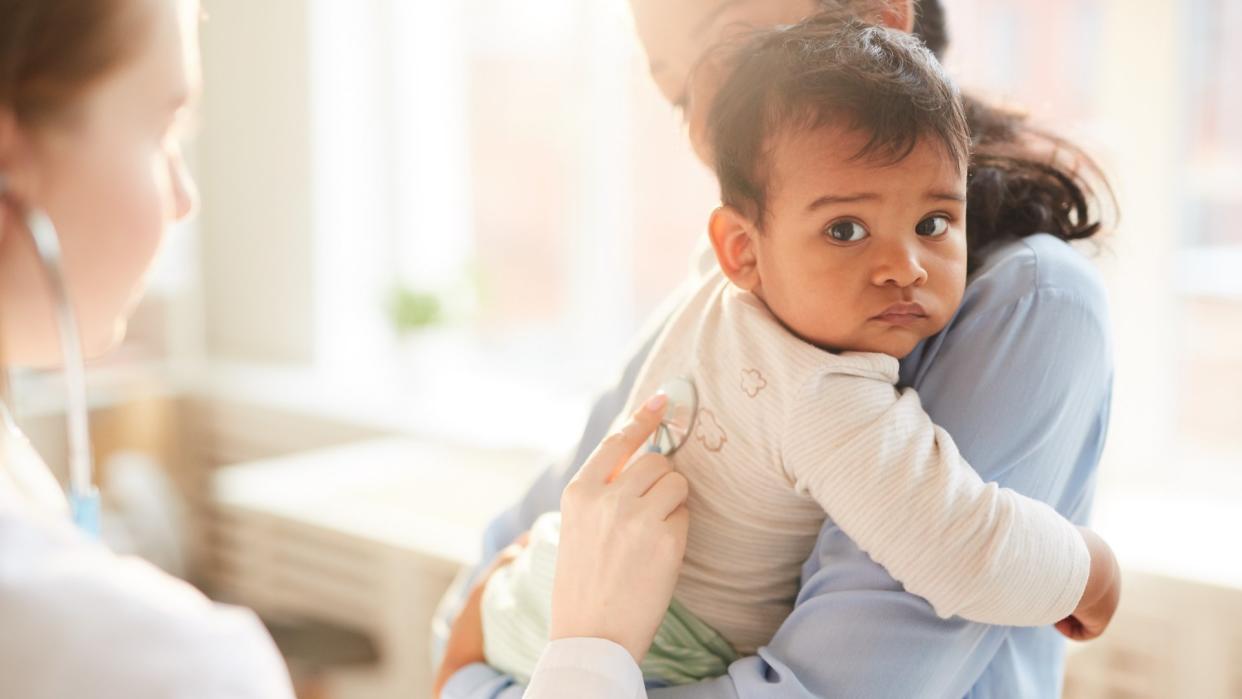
(895, 483)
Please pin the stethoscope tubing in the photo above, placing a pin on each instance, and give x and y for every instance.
(82, 495)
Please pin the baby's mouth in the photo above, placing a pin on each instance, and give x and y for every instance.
(902, 314)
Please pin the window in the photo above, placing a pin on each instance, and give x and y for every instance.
(509, 159)
(1146, 87)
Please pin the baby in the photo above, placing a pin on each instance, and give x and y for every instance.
(842, 155)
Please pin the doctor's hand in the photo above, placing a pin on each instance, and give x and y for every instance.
(623, 536)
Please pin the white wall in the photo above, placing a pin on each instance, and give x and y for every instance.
(255, 177)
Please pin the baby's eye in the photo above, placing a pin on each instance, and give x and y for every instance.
(846, 231)
(932, 226)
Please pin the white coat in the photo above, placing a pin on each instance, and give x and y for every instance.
(78, 622)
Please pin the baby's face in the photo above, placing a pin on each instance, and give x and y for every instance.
(859, 256)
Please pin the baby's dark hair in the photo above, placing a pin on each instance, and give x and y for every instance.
(1021, 180)
(829, 70)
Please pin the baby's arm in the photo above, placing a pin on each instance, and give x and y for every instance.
(896, 484)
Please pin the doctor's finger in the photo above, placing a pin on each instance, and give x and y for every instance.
(611, 456)
(668, 494)
(642, 473)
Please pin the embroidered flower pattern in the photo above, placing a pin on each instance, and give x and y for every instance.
(709, 432)
(753, 382)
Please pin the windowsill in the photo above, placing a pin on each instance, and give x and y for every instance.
(459, 401)
(480, 408)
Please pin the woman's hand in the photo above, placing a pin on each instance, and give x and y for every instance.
(465, 641)
(623, 535)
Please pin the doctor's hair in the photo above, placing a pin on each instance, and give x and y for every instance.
(829, 70)
(53, 51)
(1021, 180)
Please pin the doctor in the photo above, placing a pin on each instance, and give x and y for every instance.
(93, 94)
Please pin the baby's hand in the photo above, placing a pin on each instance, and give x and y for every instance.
(1099, 601)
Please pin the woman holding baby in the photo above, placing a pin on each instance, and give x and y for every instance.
(1019, 374)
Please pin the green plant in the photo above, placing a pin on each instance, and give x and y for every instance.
(411, 310)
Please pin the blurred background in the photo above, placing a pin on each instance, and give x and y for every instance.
(431, 231)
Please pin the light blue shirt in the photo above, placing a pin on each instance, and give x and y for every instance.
(1022, 379)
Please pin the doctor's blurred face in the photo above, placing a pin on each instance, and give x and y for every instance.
(676, 34)
(679, 37)
(107, 169)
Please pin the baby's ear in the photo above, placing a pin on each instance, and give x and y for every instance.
(734, 238)
(897, 14)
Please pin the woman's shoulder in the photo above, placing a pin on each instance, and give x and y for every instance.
(1034, 302)
(1039, 268)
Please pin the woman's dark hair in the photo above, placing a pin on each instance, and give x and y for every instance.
(1025, 181)
(929, 26)
(1022, 180)
(929, 23)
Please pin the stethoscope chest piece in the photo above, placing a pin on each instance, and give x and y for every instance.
(678, 423)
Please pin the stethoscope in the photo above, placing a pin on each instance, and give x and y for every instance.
(678, 422)
(82, 494)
